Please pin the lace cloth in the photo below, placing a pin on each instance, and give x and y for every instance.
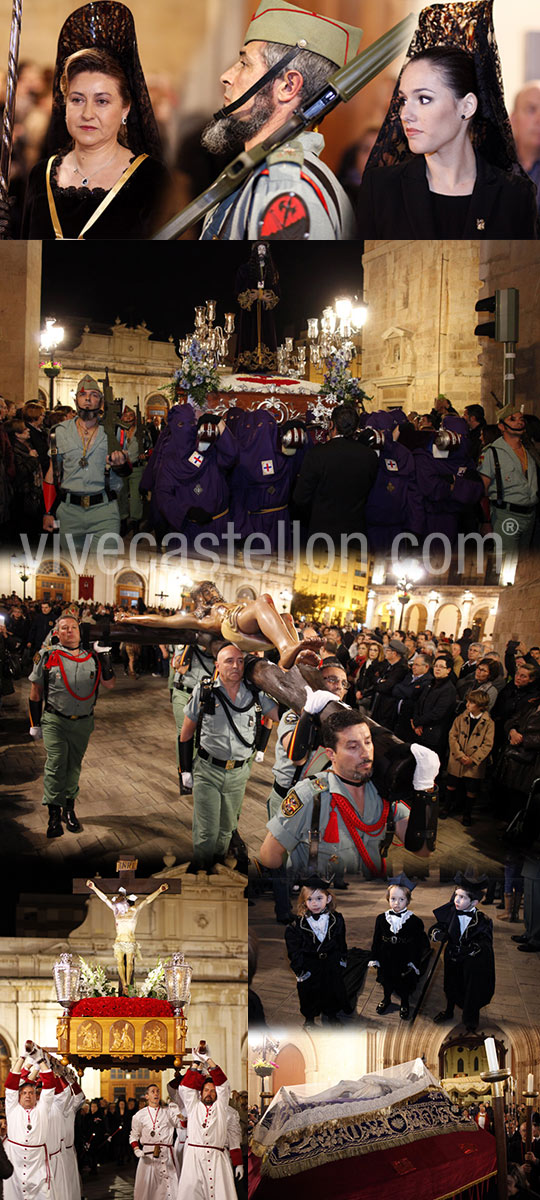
(467, 26)
(304, 1106)
(106, 25)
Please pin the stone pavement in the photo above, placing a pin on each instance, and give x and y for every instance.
(110, 1183)
(517, 995)
(129, 798)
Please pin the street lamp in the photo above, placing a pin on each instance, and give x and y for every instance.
(265, 1048)
(408, 574)
(50, 338)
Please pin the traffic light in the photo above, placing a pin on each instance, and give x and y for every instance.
(505, 305)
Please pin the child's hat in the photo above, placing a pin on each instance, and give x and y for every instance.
(316, 882)
(473, 885)
(401, 881)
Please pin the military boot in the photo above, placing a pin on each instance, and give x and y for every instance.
(54, 828)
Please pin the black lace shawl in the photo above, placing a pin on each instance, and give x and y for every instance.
(467, 26)
(106, 25)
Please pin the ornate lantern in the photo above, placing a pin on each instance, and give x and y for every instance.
(67, 975)
(178, 981)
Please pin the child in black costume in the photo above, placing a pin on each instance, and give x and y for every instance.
(469, 964)
(317, 952)
(399, 945)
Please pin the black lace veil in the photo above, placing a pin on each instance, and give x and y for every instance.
(106, 25)
(467, 26)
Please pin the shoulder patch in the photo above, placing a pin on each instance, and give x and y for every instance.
(291, 804)
(291, 718)
(37, 657)
(290, 152)
(286, 216)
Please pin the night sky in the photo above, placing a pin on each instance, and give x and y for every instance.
(161, 282)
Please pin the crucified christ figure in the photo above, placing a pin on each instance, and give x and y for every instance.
(250, 624)
(126, 912)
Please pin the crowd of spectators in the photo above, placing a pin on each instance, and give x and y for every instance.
(379, 474)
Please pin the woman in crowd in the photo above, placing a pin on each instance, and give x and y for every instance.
(108, 180)
(27, 505)
(444, 164)
(368, 674)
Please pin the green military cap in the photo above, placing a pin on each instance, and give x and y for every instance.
(509, 410)
(89, 384)
(278, 21)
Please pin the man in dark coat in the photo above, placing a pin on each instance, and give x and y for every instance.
(336, 478)
(408, 691)
(385, 705)
(469, 963)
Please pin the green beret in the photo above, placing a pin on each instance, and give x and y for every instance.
(278, 21)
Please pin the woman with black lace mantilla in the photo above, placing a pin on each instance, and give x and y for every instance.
(444, 164)
(109, 182)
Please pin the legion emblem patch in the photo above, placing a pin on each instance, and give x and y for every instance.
(285, 217)
(290, 805)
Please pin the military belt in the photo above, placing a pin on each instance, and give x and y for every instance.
(87, 501)
(180, 688)
(229, 764)
(67, 717)
(281, 791)
(517, 508)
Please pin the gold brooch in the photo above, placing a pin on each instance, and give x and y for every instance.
(480, 223)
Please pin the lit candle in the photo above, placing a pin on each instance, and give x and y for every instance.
(491, 1051)
(530, 1083)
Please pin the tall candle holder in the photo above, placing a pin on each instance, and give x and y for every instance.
(498, 1079)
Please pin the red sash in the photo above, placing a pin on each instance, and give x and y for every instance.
(356, 827)
(55, 660)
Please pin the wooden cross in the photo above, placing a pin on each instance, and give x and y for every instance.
(126, 878)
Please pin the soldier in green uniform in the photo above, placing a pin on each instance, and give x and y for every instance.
(353, 819)
(88, 477)
(67, 679)
(510, 477)
(189, 664)
(224, 718)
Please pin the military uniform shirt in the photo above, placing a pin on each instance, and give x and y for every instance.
(81, 677)
(284, 768)
(292, 196)
(518, 488)
(217, 735)
(197, 671)
(292, 831)
(86, 480)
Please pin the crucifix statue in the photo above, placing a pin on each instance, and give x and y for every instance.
(121, 896)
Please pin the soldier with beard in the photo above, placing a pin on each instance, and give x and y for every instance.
(287, 57)
(510, 477)
(86, 476)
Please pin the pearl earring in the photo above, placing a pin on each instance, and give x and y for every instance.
(124, 120)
